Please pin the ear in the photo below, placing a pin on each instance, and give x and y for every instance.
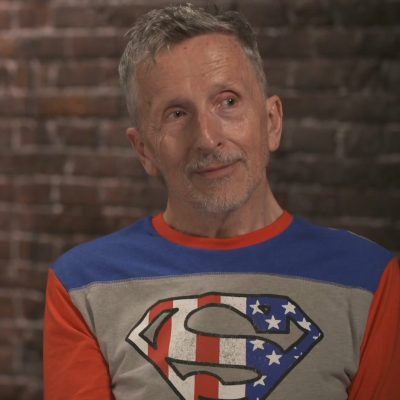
(275, 115)
(143, 151)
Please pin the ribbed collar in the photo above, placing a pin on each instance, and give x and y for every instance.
(198, 242)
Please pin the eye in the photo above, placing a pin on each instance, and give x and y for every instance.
(176, 114)
(230, 102)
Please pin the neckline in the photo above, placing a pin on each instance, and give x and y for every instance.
(237, 242)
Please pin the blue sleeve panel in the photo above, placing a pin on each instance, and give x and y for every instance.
(303, 250)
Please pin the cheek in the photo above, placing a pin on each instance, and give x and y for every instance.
(172, 154)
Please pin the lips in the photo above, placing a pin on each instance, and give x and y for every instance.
(215, 170)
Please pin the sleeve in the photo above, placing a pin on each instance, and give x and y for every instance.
(378, 375)
(74, 367)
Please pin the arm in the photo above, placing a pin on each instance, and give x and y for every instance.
(74, 367)
(378, 376)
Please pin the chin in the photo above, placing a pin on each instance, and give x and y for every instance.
(215, 204)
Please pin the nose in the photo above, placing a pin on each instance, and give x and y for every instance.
(207, 132)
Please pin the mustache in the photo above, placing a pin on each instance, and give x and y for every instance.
(215, 157)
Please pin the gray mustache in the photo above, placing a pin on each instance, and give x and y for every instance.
(214, 158)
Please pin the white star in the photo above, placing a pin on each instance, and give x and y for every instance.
(289, 308)
(257, 344)
(273, 323)
(316, 337)
(305, 324)
(274, 358)
(256, 308)
(260, 381)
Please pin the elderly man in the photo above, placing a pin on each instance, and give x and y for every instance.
(224, 295)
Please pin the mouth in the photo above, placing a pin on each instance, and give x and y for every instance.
(216, 170)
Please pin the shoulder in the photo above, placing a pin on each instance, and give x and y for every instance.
(103, 259)
(342, 257)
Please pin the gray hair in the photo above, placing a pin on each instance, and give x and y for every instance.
(162, 28)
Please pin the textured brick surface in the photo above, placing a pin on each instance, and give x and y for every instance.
(67, 173)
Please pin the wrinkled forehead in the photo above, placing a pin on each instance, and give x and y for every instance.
(204, 57)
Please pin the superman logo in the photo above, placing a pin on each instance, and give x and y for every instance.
(222, 346)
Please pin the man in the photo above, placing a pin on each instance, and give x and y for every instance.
(224, 295)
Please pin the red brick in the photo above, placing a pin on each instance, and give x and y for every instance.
(32, 355)
(310, 138)
(285, 44)
(9, 334)
(6, 190)
(265, 13)
(88, 73)
(372, 140)
(106, 165)
(7, 309)
(310, 12)
(15, 74)
(380, 43)
(8, 46)
(114, 134)
(123, 15)
(6, 133)
(6, 360)
(356, 44)
(32, 193)
(362, 75)
(353, 107)
(278, 74)
(87, 46)
(32, 163)
(319, 75)
(83, 194)
(371, 108)
(80, 219)
(32, 308)
(15, 105)
(43, 46)
(30, 133)
(389, 77)
(35, 250)
(14, 389)
(80, 105)
(4, 249)
(33, 15)
(135, 194)
(366, 13)
(5, 18)
(313, 105)
(348, 201)
(6, 219)
(77, 134)
(23, 276)
(335, 43)
(66, 16)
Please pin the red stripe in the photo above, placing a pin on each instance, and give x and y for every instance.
(207, 350)
(160, 354)
(237, 242)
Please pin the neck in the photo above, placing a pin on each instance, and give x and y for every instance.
(261, 210)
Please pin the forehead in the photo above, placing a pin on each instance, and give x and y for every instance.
(200, 61)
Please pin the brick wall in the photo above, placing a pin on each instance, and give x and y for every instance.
(67, 173)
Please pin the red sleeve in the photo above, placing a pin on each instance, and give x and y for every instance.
(378, 376)
(74, 367)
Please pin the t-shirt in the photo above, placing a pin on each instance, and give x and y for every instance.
(290, 311)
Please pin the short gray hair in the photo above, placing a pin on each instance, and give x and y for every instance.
(162, 28)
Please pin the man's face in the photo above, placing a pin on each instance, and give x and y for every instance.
(204, 124)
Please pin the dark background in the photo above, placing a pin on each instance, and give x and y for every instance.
(67, 173)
